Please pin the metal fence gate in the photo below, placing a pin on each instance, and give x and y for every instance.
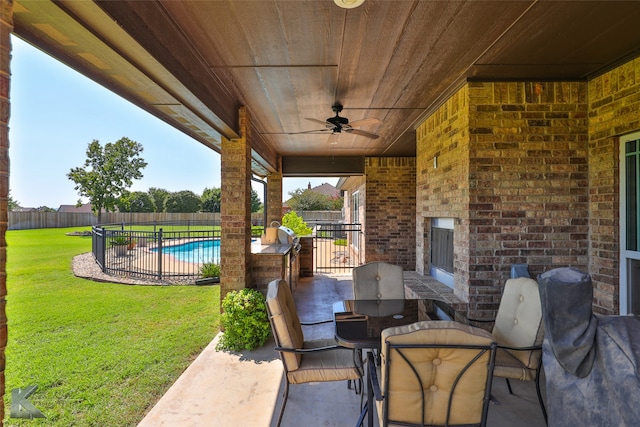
(337, 247)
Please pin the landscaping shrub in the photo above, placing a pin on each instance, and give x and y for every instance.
(244, 320)
(210, 269)
(296, 223)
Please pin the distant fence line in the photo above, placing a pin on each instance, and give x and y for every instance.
(30, 220)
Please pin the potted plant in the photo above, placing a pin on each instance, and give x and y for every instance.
(120, 244)
(210, 273)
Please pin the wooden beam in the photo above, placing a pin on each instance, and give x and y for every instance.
(322, 166)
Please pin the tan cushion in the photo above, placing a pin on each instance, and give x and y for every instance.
(438, 368)
(378, 280)
(332, 365)
(519, 320)
(285, 322)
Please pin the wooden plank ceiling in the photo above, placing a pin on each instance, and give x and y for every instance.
(194, 63)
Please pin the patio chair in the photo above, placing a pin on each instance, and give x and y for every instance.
(433, 373)
(304, 361)
(378, 280)
(519, 332)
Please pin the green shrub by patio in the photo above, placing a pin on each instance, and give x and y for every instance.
(244, 320)
(296, 223)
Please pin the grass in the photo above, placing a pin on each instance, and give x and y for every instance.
(101, 354)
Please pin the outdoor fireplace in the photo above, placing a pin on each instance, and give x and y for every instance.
(441, 250)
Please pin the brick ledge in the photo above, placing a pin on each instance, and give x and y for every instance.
(417, 286)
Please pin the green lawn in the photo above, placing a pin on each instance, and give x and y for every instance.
(101, 353)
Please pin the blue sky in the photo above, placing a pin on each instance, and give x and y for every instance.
(55, 114)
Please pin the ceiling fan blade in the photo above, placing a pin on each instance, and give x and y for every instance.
(333, 138)
(364, 133)
(313, 131)
(365, 122)
(321, 122)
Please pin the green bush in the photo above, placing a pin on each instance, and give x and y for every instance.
(340, 242)
(120, 240)
(296, 223)
(244, 320)
(210, 269)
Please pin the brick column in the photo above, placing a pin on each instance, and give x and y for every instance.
(274, 196)
(6, 27)
(390, 211)
(235, 207)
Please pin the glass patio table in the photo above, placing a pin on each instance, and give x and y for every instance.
(359, 325)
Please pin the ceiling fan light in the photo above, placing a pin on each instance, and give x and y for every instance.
(348, 4)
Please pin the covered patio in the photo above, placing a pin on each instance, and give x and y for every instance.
(226, 389)
(506, 121)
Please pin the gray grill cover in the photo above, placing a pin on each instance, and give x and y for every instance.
(591, 362)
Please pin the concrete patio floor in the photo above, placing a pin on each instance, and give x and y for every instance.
(245, 389)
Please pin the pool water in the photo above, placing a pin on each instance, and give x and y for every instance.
(201, 251)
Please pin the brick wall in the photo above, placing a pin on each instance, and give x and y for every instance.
(614, 110)
(389, 217)
(265, 268)
(512, 170)
(443, 186)
(306, 256)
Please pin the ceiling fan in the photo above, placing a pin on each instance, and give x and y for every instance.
(336, 125)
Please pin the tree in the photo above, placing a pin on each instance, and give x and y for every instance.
(138, 201)
(183, 201)
(308, 200)
(256, 204)
(45, 209)
(337, 203)
(211, 199)
(108, 172)
(159, 196)
(12, 204)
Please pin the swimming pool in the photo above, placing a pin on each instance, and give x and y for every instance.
(201, 251)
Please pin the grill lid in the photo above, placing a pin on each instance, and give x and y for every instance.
(286, 235)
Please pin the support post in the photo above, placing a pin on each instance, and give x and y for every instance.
(235, 207)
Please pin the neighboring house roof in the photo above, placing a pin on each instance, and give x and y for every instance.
(85, 208)
(327, 189)
(21, 209)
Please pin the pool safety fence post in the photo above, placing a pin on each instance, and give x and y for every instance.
(160, 254)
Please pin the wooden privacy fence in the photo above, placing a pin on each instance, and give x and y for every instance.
(29, 220)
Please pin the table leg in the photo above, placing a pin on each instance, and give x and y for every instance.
(370, 408)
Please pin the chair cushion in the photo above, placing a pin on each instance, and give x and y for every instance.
(437, 368)
(378, 280)
(331, 365)
(285, 322)
(519, 320)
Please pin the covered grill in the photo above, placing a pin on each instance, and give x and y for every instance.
(279, 234)
(283, 241)
(286, 236)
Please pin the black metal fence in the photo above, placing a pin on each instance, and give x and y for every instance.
(156, 251)
(337, 247)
